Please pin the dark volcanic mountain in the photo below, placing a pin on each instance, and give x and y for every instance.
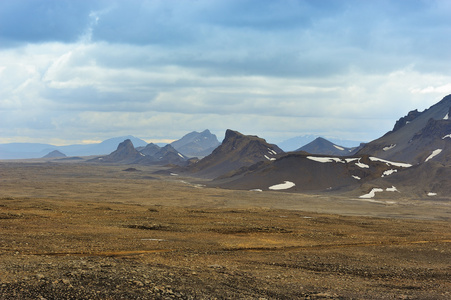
(150, 149)
(55, 154)
(124, 154)
(321, 146)
(303, 172)
(417, 137)
(236, 151)
(168, 155)
(197, 144)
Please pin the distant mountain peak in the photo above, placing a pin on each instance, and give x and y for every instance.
(321, 146)
(196, 144)
(54, 154)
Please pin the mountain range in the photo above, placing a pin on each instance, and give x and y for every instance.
(411, 160)
(35, 150)
(152, 154)
(414, 159)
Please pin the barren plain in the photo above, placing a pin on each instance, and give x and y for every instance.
(80, 231)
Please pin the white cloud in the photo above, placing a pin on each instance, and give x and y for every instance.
(159, 69)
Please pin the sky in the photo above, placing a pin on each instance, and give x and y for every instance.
(79, 71)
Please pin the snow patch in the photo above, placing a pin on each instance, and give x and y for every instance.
(339, 148)
(325, 159)
(361, 165)
(396, 164)
(180, 155)
(430, 194)
(356, 177)
(378, 190)
(389, 147)
(271, 151)
(388, 172)
(371, 194)
(174, 174)
(282, 186)
(256, 190)
(348, 160)
(434, 153)
(272, 158)
(446, 136)
(392, 189)
(446, 117)
(141, 154)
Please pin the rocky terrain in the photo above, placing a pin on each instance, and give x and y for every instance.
(83, 231)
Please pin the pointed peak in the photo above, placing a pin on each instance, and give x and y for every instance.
(126, 144)
(232, 134)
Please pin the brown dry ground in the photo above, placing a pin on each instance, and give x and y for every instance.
(73, 231)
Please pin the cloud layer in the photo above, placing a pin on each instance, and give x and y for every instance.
(90, 70)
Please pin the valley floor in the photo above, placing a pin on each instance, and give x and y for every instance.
(73, 231)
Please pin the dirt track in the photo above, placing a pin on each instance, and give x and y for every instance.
(74, 232)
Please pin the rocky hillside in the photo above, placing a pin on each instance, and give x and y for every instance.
(417, 137)
(303, 172)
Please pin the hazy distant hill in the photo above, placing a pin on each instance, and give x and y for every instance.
(36, 150)
(54, 154)
(237, 150)
(197, 144)
(322, 146)
(417, 137)
(300, 141)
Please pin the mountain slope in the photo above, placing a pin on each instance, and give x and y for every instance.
(198, 144)
(306, 172)
(417, 136)
(237, 150)
(322, 146)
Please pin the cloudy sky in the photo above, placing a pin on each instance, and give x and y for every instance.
(74, 71)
